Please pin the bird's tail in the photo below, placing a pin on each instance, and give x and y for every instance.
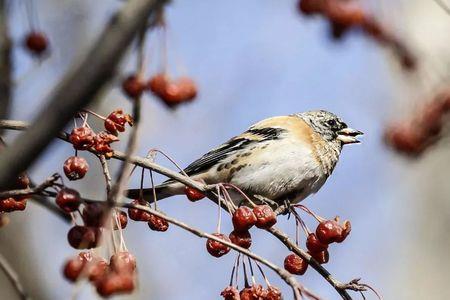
(162, 191)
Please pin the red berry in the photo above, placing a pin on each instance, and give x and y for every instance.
(157, 224)
(241, 238)
(230, 293)
(137, 214)
(116, 121)
(322, 257)
(193, 194)
(82, 138)
(243, 218)
(314, 245)
(114, 283)
(405, 139)
(309, 7)
(328, 231)
(36, 42)
(97, 269)
(68, 200)
(265, 216)
(22, 181)
(82, 237)
(217, 249)
(294, 264)
(75, 167)
(11, 204)
(93, 214)
(122, 219)
(73, 268)
(133, 87)
(157, 84)
(273, 293)
(123, 262)
(187, 89)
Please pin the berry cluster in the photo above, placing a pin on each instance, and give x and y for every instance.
(16, 203)
(154, 222)
(116, 277)
(327, 232)
(171, 92)
(414, 137)
(345, 15)
(244, 218)
(253, 291)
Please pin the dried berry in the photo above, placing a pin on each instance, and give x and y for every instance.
(314, 245)
(346, 228)
(116, 121)
(123, 262)
(83, 237)
(75, 167)
(36, 42)
(172, 92)
(193, 194)
(328, 231)
(273, 293)
(133, 86)
(265, 216)
(158, 224)
(230, 293)
(93, 214)
(243, 218)
(68, 200)
(254, 292)
(122, 219)
(241, 238)
(114, 283)
(137, 214)
(294, 264)
(82, 138)
(217, 249)
(103, 141)
(322, 257)
(404, 139)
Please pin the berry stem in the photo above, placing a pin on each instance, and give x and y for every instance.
(251, 270)
(317, 217)
(94, 114)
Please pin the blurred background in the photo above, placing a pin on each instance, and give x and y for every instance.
(251, 60)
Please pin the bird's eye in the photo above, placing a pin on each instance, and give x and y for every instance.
(331, 123)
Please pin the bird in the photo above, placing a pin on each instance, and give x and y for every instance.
(282, 159)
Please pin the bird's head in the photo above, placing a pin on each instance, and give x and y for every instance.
(330, 127)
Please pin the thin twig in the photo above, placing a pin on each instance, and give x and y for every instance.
(5, 62)
(106, 173)
(13, 278)
(32, 190)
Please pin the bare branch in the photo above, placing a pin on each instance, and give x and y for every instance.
(13, 278)
(32, 190)
(5, 62)
(78, 88)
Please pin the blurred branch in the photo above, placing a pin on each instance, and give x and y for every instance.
(13, 278)
(207, 190)
(443, 5)
(78, 88)
(5, 62)
(32, 190)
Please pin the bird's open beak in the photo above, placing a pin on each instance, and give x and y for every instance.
(348, 135)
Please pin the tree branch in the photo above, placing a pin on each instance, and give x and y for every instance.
(78, 88)
(207, 189)
(13, 278)
(5, 62)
